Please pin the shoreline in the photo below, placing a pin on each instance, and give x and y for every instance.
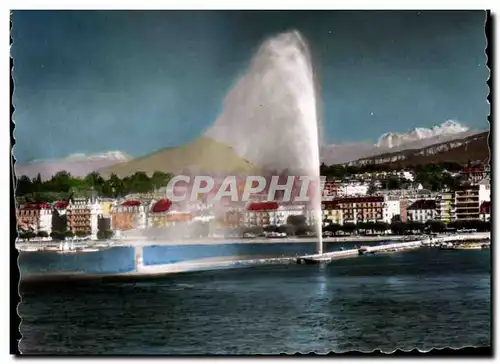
(220, 241)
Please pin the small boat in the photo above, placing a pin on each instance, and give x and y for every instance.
(29, 249)
(469, 247)
(50, 248)
(88, 250)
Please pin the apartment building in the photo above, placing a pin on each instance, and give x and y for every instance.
(130, 214)
(422, 211)
(332, 213)
(82, 216)
(445, 207)
(35, 217)
(467, 203)
(361, 209)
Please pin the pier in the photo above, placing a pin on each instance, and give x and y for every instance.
(328, 257)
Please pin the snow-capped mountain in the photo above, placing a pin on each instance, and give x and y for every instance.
(79, 164)
(395, 142)
(449, 127)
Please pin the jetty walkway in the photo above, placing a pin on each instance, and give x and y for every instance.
(327, 257)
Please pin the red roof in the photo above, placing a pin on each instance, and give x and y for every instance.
(263, 206)
(131, 203)
(162, 205)
(473, 170)
(37, 206)
(61, 204)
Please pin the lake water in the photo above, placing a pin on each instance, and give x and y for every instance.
(418, 299)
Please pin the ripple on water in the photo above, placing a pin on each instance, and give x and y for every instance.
(428, 300)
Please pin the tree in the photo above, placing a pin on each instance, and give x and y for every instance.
(381, 226)
(371, 189)
(24, 186)
(393, 183)
(349, 227)
(80, 233)
(271, 228)
(30, 235)
(302, 229)
(108, 234)
(296, 220)
(288, 229)
(68, 234)
(160, 179)
(42, 234)
(56, 235)
(435, 226)
(398, 228)
(333, 228)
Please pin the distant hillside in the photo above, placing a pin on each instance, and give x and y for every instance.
(462, 150)
(202, 155)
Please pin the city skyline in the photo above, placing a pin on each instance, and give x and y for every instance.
(91, 82)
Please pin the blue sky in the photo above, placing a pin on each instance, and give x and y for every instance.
(141, 81)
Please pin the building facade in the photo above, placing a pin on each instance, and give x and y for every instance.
(392, 208)
(422, 211)
(445, 207)
(35, 217)
(467, 203)
(332, 213)
(82, 216)
(361, 209)
(129, 215)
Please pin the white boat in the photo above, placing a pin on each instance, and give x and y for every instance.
(29, 249)
(88, 250)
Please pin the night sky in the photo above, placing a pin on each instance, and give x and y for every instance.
(89, 82)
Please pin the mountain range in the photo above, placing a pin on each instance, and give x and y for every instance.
(396, 142)
(448, 141)
(78, 165)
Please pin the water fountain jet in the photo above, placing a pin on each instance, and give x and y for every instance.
(270, 117)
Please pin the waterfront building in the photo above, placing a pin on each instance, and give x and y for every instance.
(467, 203)
(261, 214)
(330, 190)
(332, 213)
(422, 211)
(445, 207)
(163, 214)
(403, 210)
(82, 216)
(35, 217)
(485, 211)
(130, 214)
(361, 209)
(234, 218)
(391, 208)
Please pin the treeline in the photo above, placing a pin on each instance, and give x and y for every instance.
(63, 186)
(431, 176)
(410, 227)
(62, 235)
